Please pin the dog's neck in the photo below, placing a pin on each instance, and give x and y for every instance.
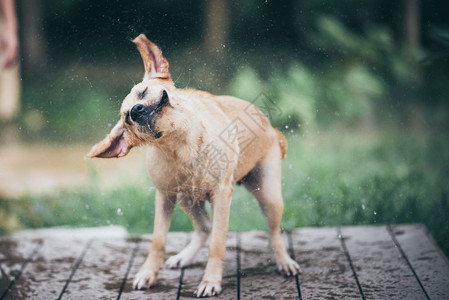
(181, 146)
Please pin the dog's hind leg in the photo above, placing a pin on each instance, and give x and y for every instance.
(201, 223)
(264, 182)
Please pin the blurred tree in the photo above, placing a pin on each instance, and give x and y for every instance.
(34, 49)
(412, 22)
(412, 31)
(217, 25)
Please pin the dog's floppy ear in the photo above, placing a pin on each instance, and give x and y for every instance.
(116, 144)
(156, 66)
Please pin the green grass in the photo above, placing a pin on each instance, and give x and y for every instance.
(329, 179)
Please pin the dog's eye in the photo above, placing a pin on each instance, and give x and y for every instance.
(163, 102)
(142, 94)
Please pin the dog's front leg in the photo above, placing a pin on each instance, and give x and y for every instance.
(211, 283)
(147, 275)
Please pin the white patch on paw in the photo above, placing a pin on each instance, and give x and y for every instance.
(289, 267)
(185, 257)
(208, 289)
(144, 279)
(179, 260)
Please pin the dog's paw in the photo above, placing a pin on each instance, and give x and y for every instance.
(289, 267)
(144, 279)
(177, 261)
(207, 289)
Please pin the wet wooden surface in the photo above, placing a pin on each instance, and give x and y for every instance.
(359, 262)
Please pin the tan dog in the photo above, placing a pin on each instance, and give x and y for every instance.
(199, 145)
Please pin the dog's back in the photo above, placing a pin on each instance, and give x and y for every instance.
(254, 133)
(257, 135)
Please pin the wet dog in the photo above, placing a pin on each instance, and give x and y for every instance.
(199, 145)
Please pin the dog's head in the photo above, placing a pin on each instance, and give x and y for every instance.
(148, 114)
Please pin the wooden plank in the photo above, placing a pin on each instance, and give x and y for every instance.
(15, 256)
(168, 280)
(382, 272)
(102, 270)
(194, 273)
(259, 276)
(428, 263)
(47, 274)
(326, 272)
(381, 269)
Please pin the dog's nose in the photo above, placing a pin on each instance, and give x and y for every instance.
(137, 112)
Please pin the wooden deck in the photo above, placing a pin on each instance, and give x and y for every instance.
(363, 262)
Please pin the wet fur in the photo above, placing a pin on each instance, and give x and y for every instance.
(182, 138)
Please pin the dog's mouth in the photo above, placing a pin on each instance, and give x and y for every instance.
(146, 124)
(156, 134)
(144, 117)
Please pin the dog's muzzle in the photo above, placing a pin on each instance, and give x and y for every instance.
(144, 116)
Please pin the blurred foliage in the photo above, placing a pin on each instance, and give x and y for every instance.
(357, 75)
(128, 205)
(8, 216)
(302, 99)
(70, 111)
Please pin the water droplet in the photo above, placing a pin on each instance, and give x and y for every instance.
(375, 213)
(363, 206)
(119, 212)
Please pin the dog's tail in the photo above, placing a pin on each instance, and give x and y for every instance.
(282, 143)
